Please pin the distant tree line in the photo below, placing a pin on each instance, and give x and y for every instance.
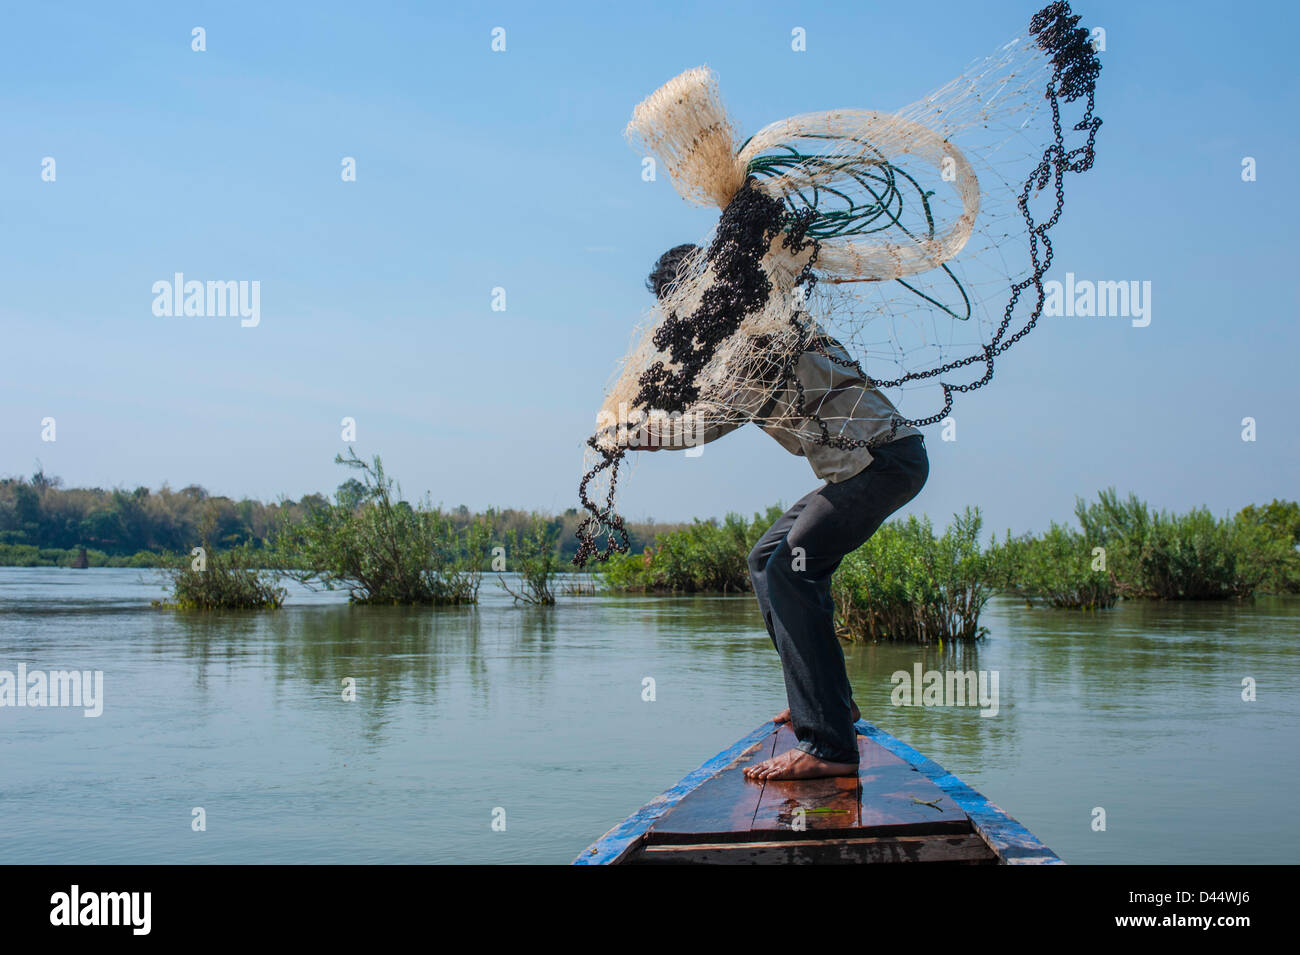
(43, 523)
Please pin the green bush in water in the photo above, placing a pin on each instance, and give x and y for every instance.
(1266, 540)
(221, 581)
(906, 584)
(1060, 567)
(1193, 556)
(535, 557)
(383, 550)
(706, 557)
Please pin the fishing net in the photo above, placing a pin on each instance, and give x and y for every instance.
(910, 245)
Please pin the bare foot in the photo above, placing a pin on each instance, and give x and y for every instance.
(796, 764)
(784, 715)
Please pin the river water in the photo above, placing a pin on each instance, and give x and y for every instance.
(538, 720)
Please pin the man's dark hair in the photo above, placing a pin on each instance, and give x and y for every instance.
(665, 270)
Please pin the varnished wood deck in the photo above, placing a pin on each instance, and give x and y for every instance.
(901, 807)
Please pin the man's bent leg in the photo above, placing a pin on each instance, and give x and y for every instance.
(762, 553)
(812, 661)
(835, 520)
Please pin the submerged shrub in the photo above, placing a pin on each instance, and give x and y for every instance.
(383, 550)
(1061, 567)
(906, 584)
(535, 557)
(1192, 556)
(222, 581)
(1266, 539)
(706, 557)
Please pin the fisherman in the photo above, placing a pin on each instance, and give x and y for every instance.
(791, 565)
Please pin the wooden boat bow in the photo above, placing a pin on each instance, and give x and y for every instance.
(901, 807)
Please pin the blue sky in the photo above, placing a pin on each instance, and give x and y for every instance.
(478, 169)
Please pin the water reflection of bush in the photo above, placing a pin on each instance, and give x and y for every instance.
(395, 654)
(1053, 664)
(934, 730)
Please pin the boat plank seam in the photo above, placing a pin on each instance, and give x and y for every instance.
(763, 786)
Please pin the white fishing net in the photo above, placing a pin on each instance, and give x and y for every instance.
(907, 247)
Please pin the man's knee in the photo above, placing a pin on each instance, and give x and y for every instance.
(791, 562)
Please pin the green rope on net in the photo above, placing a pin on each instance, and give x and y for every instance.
(884, 183)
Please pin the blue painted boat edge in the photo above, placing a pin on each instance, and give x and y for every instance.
(1013, 843)
(613, 845)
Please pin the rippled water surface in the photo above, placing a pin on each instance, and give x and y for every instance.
(538, 716)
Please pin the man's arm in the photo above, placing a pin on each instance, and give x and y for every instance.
(687, 430)
(751, 400)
